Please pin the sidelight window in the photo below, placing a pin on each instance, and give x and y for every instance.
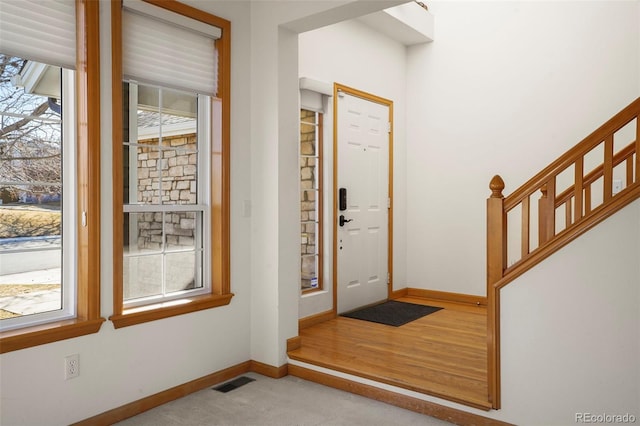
(311, 199)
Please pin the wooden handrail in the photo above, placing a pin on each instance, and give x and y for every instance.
(578, 151)
(590, 178)
(563, 238)
(579, 215)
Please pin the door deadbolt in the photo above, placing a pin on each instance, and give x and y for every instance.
(342, 199)
(343, 220)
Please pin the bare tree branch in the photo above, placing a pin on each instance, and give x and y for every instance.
(40, 109)
(44, 157)
(30, 145)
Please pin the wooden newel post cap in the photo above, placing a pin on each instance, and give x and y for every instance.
(496, 186)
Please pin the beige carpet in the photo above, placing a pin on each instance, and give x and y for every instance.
(283, 402)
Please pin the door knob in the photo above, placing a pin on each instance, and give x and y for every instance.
(343, 220)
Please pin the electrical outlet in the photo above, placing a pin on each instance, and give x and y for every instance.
(71, 366)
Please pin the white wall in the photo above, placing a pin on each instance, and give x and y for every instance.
(264, 185)
(571, 329)
(505, 88)
(355, 55)
(275, 247)
(275, 250)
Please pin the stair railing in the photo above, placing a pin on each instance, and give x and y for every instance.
(562, 214)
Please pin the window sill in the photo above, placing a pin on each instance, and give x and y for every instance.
(158, 311)
(312, 291)
(22, 338)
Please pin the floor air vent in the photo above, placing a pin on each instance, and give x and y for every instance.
(234, 384)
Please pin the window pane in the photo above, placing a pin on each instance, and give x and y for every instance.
(161, 169)
(309, 272)
(307, 140)
(183, 271)
(143, 245)
(310, 185)
(143, 232)
(308, 206)
(147, 173)
(308, 173)
(30, 187)
(307, 116)
(142, 276)
(179, 173)
(183, 261)
(309, 231)
(163, 253)
(182, 231)
(163, 163)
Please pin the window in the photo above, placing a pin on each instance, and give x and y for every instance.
(165, 169)
(171, 154)
(311, 199)
(37, 157)
(49, 255)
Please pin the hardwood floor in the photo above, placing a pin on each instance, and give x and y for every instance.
(443, 354)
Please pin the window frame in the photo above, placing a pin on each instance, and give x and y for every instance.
(219, 259)
(319, 191)
(87, 318)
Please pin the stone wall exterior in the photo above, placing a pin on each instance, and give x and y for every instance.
(174, 182)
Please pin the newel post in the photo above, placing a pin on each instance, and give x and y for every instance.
(496, 264)
(496, 232)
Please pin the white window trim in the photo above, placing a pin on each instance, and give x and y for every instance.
(203, 238)
(69, 219)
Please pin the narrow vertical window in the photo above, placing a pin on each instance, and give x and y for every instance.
(311, 199)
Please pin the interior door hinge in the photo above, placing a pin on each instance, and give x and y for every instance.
(389, 203)
(388, 277)
(388, 127)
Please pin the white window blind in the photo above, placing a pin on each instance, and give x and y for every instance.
(313, 93)
(42, 31)
(311, 100)
(164, 48)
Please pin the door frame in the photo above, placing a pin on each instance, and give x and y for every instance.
(337, 87)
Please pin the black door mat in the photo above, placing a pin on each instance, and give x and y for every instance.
(234, 384)
(392, 313)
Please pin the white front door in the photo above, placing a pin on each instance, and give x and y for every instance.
(363, 141)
